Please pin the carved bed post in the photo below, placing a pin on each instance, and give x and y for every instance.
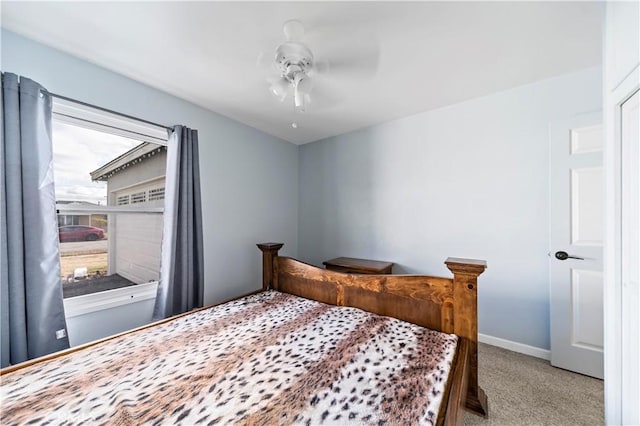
(269, 252)
(465, 314)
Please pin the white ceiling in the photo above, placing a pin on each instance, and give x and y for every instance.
(429, 54)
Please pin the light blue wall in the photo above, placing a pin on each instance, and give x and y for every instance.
(249, 178)
(468, 180)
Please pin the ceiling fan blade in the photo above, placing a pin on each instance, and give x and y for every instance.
(355, 54)
(266, 61)
(354, 68)
(273, 78)
(321, 66)
(324, 95)
(354, 64)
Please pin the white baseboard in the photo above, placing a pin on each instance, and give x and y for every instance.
(515, 346)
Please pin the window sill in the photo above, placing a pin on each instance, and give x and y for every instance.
(81, 305)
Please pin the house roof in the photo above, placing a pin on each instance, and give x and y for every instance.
(71, 204)
(76, 203)
(133, 156)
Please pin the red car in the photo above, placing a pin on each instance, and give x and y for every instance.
(79, 233)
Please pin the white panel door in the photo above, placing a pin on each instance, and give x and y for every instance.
(576, 242)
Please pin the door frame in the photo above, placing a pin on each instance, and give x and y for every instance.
(615, 365)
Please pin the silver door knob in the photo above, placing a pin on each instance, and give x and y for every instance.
(563, 255)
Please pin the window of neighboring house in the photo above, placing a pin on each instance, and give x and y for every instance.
(67, 219)
(156, 194)
(138, 197)
(110, 228)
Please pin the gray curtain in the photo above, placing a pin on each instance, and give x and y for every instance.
(31, 308)
(181, 286)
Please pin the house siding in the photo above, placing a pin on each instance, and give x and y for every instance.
(135, 239)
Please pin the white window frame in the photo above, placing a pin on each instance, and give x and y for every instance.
(94, 119)
(93, 302)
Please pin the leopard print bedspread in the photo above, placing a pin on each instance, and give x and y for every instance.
(266, 359)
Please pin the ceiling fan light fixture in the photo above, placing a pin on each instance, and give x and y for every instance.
(304, 84)
(298, 100)
(302, 87)
(293, 30)
(279, 89)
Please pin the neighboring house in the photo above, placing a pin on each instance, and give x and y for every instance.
(97, 220)
(136, 178)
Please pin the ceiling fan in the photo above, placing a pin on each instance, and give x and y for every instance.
(296, 72)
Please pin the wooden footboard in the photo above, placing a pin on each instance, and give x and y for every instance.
(452, 412)
(443, 304)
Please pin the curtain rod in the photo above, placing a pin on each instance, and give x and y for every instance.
(55, 95)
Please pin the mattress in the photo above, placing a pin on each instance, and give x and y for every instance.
(269, 358)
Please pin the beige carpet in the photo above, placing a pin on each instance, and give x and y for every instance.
(523, 390)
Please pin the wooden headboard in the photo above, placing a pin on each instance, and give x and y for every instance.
(444, 304)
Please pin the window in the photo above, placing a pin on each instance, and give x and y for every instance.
(65, 219)
(138, 197)
(156, 194)
(104, 175)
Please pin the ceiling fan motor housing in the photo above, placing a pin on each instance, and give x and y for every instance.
(293, 58)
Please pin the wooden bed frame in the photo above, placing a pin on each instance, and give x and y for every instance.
(443, 304)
